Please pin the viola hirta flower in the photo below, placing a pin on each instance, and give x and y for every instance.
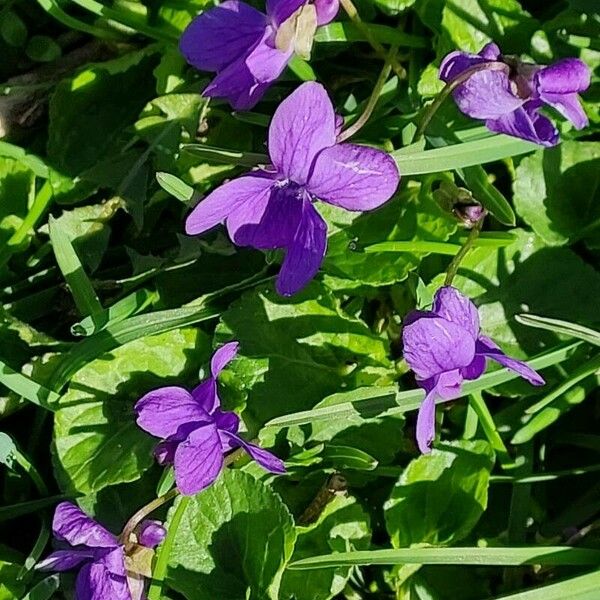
(274, 207)
(105, 569)
(508, 93)
(443, 347)
(196, 433)
(248, 49)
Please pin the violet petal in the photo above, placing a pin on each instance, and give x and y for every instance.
(266, 62)
(163, 411)
(487, 347)
(434, 345)
(353, 177)
(64, 560)
(526, 123)
(426, 423)
(567, 76)
(303, 124)
(487, 95)
(569, 106)
(222, 357)
(305, 254)
(198, 460)
(453, 306)
(326, 10)
(222, 34)
(227, 198)
(263, 457)
(270, 223)
(72, 525)
(96, 582)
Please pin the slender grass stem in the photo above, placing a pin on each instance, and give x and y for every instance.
(373, 99)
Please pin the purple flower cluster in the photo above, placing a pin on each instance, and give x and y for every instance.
(274, 207)
(248, 49)
(196, 433)
(508, 93)
(443, 347)
(99, 554)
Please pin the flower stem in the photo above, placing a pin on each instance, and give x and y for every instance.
(352, 12)
(469, 242)
(448, 89)
(366, 114)
(141, 514)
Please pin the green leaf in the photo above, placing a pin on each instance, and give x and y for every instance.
(440, 496)
(175, 186)
(510, 557)
(90, 110)
(407, 218)
(469, 24)
(342, 526)
(96, 440)
(16, 181)
(295, 351)
(557, 192)
(233, 541)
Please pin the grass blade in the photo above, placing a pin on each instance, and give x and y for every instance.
(349, 32)
(458, 156)
(368, 402)
(559, 326)
(550, 555)
(584, 587)
(81, 287)
(26, 387)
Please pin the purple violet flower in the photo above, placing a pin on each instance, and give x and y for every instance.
(443, 347)
(248, 49)
(509, 99)
(274, 207)
(196, 432)
(103, 573)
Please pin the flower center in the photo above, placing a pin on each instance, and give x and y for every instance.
(520, 76)
(291, 188)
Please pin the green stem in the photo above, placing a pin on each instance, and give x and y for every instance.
(469, 243)
(164, 551)
(448, 89)
(352, 12)
(41, 203)
(366, 114)
(141, 514)
(477, 403)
